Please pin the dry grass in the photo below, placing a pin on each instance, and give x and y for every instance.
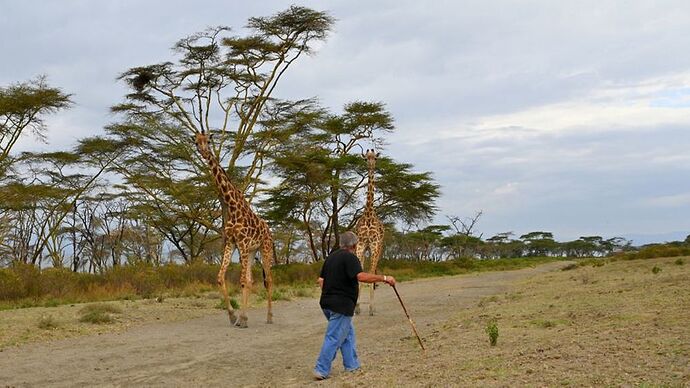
(618, 324)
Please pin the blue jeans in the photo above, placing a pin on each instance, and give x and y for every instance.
(340, 334)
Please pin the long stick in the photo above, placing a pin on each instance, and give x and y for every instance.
(414, 328)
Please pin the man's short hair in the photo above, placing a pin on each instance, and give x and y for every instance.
(348, 239)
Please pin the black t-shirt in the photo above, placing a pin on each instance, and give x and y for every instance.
(340, 286)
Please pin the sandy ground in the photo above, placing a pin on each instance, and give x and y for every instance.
(206, 351)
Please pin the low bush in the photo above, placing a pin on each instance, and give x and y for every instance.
(98, 313)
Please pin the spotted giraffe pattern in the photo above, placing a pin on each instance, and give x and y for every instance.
(245, 231)
(369, 229)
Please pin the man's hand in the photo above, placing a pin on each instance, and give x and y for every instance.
(320, 281)
(390, 280)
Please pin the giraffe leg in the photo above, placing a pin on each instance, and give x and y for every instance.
(360, 255)
(246, 259)
(227, 254)
(375, 256)
(266, 261)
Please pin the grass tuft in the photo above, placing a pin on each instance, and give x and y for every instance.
(98, 313)
(47, 322)
(492, 330)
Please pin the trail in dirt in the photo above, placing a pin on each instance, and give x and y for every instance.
(207, 351)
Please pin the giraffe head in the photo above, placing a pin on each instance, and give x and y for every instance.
(201, 139)
(370, 157)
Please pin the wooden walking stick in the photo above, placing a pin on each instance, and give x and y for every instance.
(414, 328)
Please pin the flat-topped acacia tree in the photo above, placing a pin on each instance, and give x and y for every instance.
(224, 84)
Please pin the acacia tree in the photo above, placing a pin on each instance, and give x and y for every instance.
(22, 108)
(224, 83)
(322, 175)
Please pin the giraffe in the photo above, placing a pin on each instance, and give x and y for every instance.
(369, 229)
(245, 231)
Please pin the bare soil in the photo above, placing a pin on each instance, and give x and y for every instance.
(619, 324)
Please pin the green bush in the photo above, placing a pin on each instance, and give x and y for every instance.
(11, 285)
(492, 330)
(30, 277)
(679, 261)
(656, 270)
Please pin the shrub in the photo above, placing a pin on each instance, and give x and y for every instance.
(679, 261)
(11, 286)
(656, 270)
(57, 282)
(492, 331)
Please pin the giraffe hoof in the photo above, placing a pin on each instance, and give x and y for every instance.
(233, 319)
(241, 323)
(371, 311)
(357, 310)
(269, 319)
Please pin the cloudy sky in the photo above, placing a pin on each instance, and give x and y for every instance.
(569, 117)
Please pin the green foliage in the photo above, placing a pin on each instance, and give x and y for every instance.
(492, 330)
(679, 261)
(656, 270)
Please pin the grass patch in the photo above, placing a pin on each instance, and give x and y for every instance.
(233, 302)
(98, 313)
(47, 322)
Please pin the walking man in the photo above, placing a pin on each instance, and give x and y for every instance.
(339, 279)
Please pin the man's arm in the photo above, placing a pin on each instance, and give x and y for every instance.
(320, 281)
(366, 277)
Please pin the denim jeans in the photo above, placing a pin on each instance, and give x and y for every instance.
(340, 334)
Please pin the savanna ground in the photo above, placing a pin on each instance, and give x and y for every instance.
(623, 323)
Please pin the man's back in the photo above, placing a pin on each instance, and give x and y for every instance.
(340, 286)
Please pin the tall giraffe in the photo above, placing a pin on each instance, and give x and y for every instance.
(245, 231)
(370, 229)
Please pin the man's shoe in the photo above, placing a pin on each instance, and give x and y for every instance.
(319, 376)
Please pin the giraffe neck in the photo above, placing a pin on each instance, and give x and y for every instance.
(370, 193)
(220, 178)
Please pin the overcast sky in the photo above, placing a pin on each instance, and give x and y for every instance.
(569, 117)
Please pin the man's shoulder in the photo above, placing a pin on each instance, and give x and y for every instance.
(342, 253)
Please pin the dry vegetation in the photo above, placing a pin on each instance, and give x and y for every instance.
(619, 324)
(36, 324)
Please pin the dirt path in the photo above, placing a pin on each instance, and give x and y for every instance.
(207, 352)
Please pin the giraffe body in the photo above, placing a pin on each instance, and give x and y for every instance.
(244, 231)
(370, 231)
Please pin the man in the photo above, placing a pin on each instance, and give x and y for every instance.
(339, 279)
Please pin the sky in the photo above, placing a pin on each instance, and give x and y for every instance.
(568, 117)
